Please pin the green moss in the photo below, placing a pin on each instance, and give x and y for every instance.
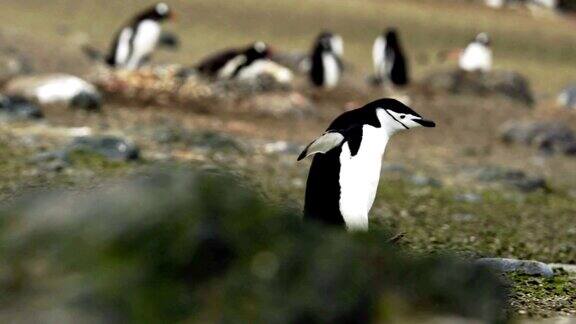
(543, 297)
(94, 161)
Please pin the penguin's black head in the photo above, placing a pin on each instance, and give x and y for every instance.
(394, 115)
(159, 12)
(391, 35)
(330, 42)
(483, 39)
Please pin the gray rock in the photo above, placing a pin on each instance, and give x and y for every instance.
(567, 97)
(424, 181)
(277, 104)
(506, 84)
(215, 141)
(548, 137)
(533, 268)
(394, 168)
(13, 108)
(282, 147)
(511, 177)
(110, 147)
(463, 217)
(468, 197)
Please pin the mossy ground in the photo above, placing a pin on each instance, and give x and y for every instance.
(502, 223)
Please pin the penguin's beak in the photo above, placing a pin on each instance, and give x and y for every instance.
(425, 122)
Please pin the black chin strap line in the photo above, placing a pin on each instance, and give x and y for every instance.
(396, 119)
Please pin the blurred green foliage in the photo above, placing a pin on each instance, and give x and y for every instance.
(203, 247)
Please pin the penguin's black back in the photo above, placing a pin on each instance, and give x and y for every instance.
(323, 189)
(317, 68)
(399, 72)
(212, 64)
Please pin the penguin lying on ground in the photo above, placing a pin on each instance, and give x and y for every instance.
(390, 66)
(58, 88)
(245, 64)
(134, 43)
(326, 61)
(478, 55)
(345, 171)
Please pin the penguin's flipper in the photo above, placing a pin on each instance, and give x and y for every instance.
(169, 40)
(322, 144)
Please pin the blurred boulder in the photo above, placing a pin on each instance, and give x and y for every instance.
(533, 268)
(567, 98)
(12, 65)
(15, 108)
(548, 137)
(511, 177)
(424, 181)
(110, 147)
(292, 104)
(50, 89)
(506, 84)
(174, 246)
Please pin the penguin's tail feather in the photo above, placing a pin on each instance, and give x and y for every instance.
(93, 53)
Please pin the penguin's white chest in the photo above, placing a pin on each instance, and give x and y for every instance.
(378, 55)
(331, 70)
(476, 57)
(144, 42)
(359, 177)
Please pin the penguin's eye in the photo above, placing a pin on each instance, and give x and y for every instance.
(402, 116)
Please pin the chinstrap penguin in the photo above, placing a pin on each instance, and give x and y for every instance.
(135, 42)
(478, 55)
(345, 170)
(229, 64)
(326, 65)
(390, 65)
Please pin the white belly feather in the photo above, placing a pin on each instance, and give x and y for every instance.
(331, 70)
(359, 177)
(476, 57)
(145, 42)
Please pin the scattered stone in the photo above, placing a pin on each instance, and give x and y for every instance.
(282, 147)
(507, 84)
(468, 197)
(14, 108)
(394, 168)
(548, 137)
(463, 217)
(424, 181)
(533, 268)
(111, 147)
(279, 105)
(59, 89)
(511, 177)
(567, 97)
(215, 141)
(570, 268)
